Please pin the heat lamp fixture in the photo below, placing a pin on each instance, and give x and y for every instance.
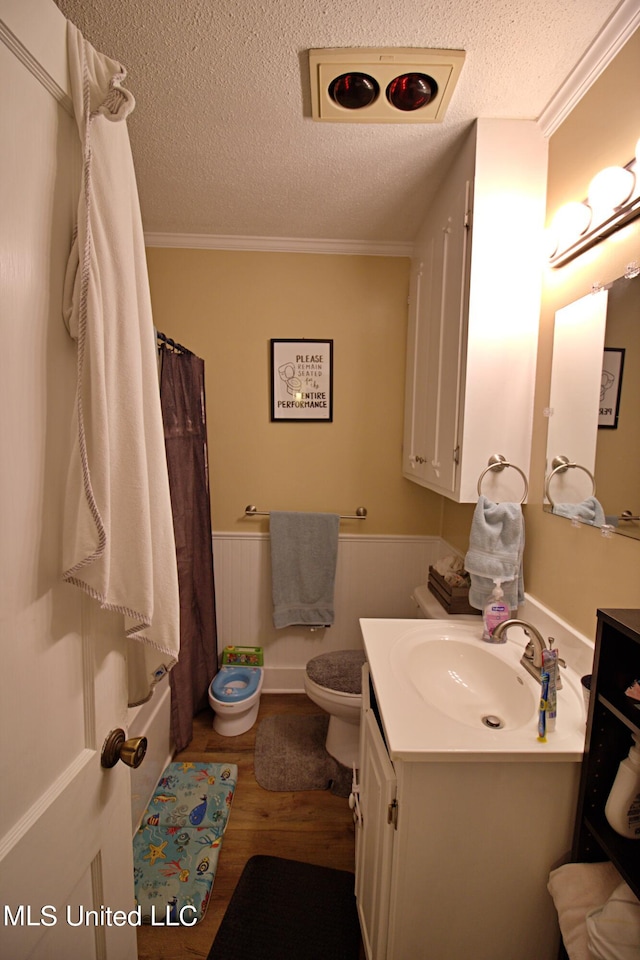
(383, 85)
(613, 200)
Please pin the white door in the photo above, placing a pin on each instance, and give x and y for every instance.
(65, 827)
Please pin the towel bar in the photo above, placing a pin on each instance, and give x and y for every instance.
(498, 463)
(560, 464)
(252, 511)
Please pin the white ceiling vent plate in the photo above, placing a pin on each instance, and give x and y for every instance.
(385, 85)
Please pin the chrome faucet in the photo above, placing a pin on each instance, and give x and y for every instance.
(532, 656)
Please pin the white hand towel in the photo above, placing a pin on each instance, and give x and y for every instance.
(496, 545)
(588, 511)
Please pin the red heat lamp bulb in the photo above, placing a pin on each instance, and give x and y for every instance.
(411, 91)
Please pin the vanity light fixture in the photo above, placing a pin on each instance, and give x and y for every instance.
(613, 200)
(382, 85)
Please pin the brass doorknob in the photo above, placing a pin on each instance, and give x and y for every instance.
(116, 747)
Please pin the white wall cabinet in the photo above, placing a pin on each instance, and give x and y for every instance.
(452, 857)
(473, 315)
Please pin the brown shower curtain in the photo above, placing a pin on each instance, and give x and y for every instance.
(185, 431)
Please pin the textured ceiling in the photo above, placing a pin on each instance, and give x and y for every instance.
(222, 138)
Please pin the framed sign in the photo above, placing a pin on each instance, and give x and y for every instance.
(610, 387)
(302, 380)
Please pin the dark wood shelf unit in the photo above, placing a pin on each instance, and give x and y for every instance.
(612, 721)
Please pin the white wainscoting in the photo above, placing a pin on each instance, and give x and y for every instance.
(375, 576)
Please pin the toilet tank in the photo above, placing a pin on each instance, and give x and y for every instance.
(429, 608)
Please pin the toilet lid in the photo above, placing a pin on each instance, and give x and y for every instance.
(339, 670)
(234, 684)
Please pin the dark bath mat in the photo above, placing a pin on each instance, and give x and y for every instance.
(291, 755)
(287, 910)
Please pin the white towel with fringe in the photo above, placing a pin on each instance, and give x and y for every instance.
(118, 543)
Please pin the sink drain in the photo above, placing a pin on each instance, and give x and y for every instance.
(494, 723)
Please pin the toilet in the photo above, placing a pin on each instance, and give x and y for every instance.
(234, 697)
(334, 682)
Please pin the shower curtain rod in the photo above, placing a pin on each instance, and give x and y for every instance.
(171, 343)
(360, 514)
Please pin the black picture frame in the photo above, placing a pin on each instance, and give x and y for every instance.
(611, 388)
(302, 380)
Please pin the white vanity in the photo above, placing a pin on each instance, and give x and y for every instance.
(461, 821)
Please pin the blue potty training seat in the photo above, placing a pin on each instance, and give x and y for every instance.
(235, 684)
(234, 697)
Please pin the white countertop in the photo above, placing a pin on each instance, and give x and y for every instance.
(416, 730)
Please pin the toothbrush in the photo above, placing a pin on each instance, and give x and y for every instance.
(542, 713)
(550, 665)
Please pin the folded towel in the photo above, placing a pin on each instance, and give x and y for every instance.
(304, 550)
(613, 929)
(496, 545)
(576, 889)
(588, 511)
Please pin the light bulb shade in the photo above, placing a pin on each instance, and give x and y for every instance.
(568, 225)
(610, 189)
(550, 242)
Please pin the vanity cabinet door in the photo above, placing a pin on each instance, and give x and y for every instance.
(374, 834)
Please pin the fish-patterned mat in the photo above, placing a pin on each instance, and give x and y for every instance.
(177, 845)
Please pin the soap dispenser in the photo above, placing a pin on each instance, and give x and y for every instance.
(622, 809)
(496, 611)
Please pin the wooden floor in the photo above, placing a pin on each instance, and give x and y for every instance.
(314, 826)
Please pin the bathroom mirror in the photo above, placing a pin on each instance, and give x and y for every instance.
(594, 410)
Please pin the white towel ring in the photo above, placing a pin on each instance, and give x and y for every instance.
(560, 464)
(498, 463)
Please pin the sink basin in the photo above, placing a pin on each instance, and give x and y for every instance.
(469, 684)
(446, 695)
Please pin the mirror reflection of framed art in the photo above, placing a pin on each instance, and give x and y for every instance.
(611, 387)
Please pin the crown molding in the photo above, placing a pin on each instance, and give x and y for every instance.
(354, 248)
(613, 36)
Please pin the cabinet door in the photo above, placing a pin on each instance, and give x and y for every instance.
(414, 448)
(374, 839)
(435, 353)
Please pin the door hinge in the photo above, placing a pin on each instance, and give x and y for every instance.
(456, 454)
(467, 220)
(392, 814)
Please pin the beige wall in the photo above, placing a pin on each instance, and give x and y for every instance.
(226, 306)
(575, 570)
